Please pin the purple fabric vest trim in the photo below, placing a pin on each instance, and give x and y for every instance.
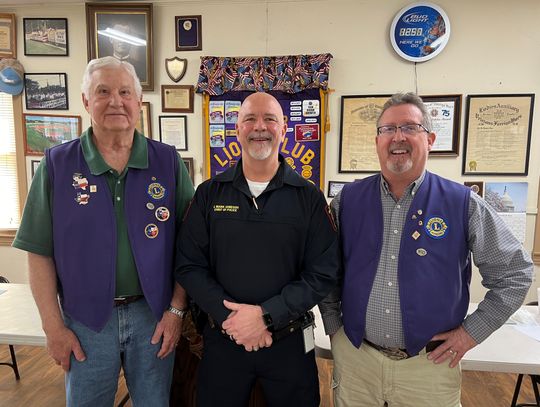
(84, 234)
(434, 287)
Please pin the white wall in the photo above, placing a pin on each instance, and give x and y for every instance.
(493, 49)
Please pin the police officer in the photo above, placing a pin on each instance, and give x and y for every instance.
(257, 251)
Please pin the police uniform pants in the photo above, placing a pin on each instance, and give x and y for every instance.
(227, 373)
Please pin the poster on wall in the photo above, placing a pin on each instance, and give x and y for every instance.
(420, 31)
(509, 199)
(302, 146)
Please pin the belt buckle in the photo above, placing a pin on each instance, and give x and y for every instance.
(394, 353)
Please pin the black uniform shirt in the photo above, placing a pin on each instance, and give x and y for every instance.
(279, 250)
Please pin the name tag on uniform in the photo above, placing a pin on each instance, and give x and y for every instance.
(309, 338)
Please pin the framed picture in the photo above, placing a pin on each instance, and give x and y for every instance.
(357, 151)
(498, 134)
(43, 131)
(188, 162)
(123, 31)
(144, 124)
(188, 33)
(34, 164)
(8, 36)
(46, 91)
(173, 131)
(445, 113)
(177, 98)
(335, 187)
(45, 37)
(476, 186)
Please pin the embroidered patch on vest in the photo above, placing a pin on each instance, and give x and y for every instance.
(436, 227)
(156, 191)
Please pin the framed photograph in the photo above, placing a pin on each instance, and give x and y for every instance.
(358, 123)
(123, 31)
(8, 36)
(46, 91)
(476, 186)
(173, 131)
(335, 187)
(34, 164)
(188, 162)
(188, 33)
(144, 124)
(498, 134)
(445, 113)
(43, 131)
(45, 37)
(177, 98)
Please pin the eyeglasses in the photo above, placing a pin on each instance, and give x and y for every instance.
(406, 129)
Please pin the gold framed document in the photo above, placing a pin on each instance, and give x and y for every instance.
(498, 134)
(357, 152)
(177, 98)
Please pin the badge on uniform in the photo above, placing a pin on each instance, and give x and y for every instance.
(155, 190)
(151, 231)
(79, 181)
(162, 214)
(82, 199)
(436, 227)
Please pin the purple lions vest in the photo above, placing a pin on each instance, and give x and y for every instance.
(434, 269)
(84, 231)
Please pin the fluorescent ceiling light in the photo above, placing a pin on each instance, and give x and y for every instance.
(122, 36)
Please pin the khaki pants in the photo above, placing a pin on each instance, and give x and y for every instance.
(365, 377)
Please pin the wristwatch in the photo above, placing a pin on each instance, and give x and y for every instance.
(178, 312)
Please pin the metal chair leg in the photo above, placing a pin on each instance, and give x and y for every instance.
(14, 362)
(516, 391)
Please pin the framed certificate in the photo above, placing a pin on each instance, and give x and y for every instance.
(498, 134)
(8, 36)
(335, 187)
(177, 98)
(144, 124)
(173, 131)
(357, 151)
(445, 114)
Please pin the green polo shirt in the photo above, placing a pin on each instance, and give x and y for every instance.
(35, 232)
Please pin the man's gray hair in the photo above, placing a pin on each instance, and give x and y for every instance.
(106, 62)
(408, 98)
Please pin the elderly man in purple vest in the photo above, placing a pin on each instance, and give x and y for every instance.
(407, 236)
(99, 225)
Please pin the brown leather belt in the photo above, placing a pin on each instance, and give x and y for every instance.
(398, 353)
(127, 300)
(392, 353)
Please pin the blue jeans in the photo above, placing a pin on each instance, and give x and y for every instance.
(124, 342)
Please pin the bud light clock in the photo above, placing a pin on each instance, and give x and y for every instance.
(420, 31)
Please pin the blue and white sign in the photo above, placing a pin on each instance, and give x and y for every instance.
(420, 32)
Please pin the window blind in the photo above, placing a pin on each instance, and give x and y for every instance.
(9, 194)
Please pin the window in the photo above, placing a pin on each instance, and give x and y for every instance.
(12, 187)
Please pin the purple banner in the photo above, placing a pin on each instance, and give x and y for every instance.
(301, 147)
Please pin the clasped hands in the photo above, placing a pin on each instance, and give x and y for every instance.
(246, 327)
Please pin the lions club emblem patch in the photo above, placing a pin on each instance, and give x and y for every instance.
(436, 227)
